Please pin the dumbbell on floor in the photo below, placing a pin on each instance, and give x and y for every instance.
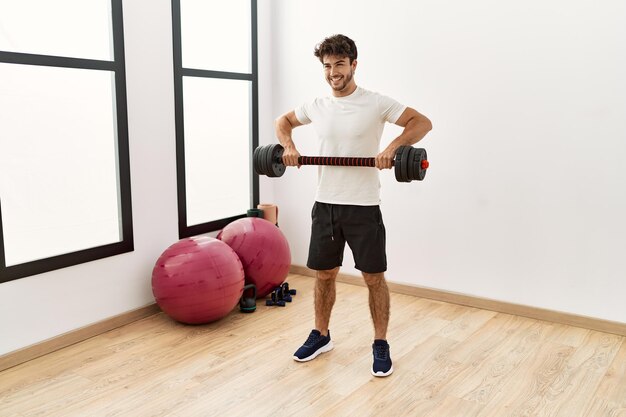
(409, 163)
(275, 300)
(287, 292)
(279, 303)
(280, 295)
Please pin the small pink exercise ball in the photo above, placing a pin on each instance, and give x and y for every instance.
(263, 251)
(198, 280)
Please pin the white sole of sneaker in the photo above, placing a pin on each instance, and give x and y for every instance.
(383, 374)
(327, 347)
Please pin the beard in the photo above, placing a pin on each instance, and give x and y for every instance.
(344, 81)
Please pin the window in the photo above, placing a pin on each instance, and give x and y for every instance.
(215, 75)
(64, 163)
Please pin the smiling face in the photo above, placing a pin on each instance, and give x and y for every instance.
(339, 74)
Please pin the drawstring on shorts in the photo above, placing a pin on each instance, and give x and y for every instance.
(332, 235)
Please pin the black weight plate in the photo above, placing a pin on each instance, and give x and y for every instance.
(421, 155)
(261, 161)
(407, 167)
(256, 161)
(269, 160)
(397, 162)
(266, 167)
(405, 164)
(417, 164)
(278, 167)
(258, 164)
(262, 168)
(280, 162)
(411, 168)
(263, 158)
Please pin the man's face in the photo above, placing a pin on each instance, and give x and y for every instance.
(338, 72)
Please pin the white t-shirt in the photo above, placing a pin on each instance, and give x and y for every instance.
(349, 126)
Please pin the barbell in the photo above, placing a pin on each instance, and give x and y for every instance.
(409, 163)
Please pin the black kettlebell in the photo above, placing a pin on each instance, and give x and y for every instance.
(247, 302)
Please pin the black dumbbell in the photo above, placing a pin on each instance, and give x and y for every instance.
(287, 290)
(279, 303)
(280, 295)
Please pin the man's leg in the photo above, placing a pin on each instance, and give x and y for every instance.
(379, 307)
(379, 303)
(324, 298)
(319, 340)
(325, 256)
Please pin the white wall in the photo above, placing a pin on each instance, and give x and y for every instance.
(43, 306)
(525, 196)
(37, 308)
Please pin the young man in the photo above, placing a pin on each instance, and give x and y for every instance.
(349, 123)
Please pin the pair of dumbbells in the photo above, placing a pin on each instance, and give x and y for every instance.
(281, 295)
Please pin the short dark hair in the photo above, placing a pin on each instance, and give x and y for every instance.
(339, 45)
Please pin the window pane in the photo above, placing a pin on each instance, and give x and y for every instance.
(216, 35)
(58, 161)
(73, 28)
(217, 148)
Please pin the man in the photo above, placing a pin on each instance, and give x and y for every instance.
(346, 209)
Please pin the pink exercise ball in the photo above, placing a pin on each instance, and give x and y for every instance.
(263, 251)
(198, 280)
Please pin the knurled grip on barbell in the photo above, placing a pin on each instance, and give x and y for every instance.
(341, 161)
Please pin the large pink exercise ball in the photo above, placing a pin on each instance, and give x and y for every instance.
(263, 250)
(198, 280)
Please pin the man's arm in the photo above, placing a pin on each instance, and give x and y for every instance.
(415, 125)
(284, 126)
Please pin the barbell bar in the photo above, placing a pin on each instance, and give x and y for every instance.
(409, 163)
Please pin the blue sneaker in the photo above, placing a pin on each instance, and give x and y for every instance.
(314, 345)
(382, 359)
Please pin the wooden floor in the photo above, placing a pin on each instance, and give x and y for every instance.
(449, 361)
